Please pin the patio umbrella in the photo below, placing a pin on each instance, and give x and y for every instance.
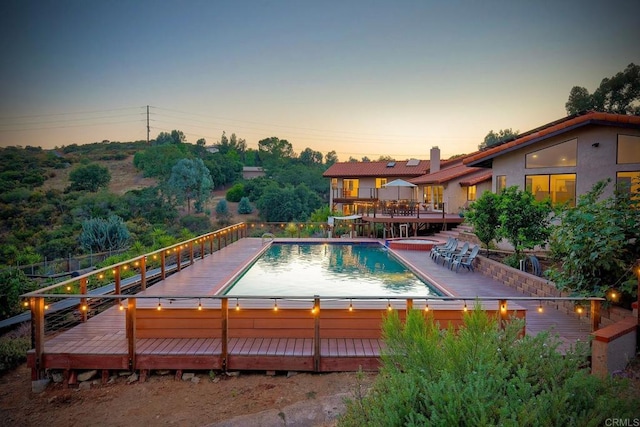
(399, 183)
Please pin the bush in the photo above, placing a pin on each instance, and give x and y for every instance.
(13, 351)
(235, 193)
(13, 283)
(197, 224)
(223, 216)
(244, 207)
(482, 375)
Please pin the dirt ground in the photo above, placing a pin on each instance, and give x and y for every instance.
(163, 400)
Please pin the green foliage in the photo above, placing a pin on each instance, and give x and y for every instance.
(235, 193)
(497, 138)
(190, 180)
(13, 352)
(89, 177)
(482, 375)
(13, 283)
(157, 161)
(279, 205)
(197, 224)
(596, 243)
(223, 216)
(244, 207)
(619, 94)
(175, 137)
(484, 214)
(100, 235)
(524, 221)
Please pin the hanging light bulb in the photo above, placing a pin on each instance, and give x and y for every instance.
(199, 305)
(465, 307)
(237, 305)
(83, 307)
(275, 305)
(389, 306)
(426, 307)
(540, 310)
(350, 305)
(120, 306)
(68, 288)
(159, 305)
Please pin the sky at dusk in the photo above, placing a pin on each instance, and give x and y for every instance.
(363, 78)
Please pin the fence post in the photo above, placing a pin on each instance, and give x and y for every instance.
(130, 321)
(224, 311)
(178, 258)
(116, 281)
(503, 308)
(37, 336)
(316, 333)
(163, 264)
(191, 252)
(409, 305)
(595, 315)
(143, 273)
(84, 307)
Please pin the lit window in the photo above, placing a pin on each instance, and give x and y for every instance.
(628, 149)
(559, 188)
(560, 155)
(471, 193)
(629, 181)
(381, 182)
(501, 183)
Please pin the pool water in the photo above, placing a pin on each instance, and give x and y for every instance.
(329, 270)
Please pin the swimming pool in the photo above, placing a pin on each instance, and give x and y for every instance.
(286, 269)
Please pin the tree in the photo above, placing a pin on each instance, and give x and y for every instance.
(13, 283)
(190, 180)
(524, 221)
(279, 204)
(309, 157)
(175, 137)
(223, 216)
(90, 177)
(274, 151)
(484, 214)
(496, 138)
(596, 243)
(201, 142)
(244, 207)
(235, 193)
(330, 158)
(619, 94)
(102, 235)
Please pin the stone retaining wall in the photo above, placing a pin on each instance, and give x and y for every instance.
(531, 285)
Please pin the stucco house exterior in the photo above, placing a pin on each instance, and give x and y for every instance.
(565, 158)
(436, 184)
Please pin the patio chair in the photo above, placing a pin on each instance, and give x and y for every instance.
(466, 261)
(446, 251)
(450, 244)
(448, 257)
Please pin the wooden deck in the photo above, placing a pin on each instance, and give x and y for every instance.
(257, 337)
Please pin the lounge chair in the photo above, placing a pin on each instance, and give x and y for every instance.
(466, 261)
(451, 244)
(448, 257)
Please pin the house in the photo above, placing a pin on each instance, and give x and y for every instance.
(250, 172)
(436, 184)
(565, 158)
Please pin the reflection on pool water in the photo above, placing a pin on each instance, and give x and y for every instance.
(331, 270)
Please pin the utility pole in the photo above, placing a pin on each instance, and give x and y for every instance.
(148, 128)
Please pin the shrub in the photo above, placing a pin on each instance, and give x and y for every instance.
(482, 375)
(235, 193)
(244, 207)
(197, 224)
(223, 216)
(13, 283)
(13, 351)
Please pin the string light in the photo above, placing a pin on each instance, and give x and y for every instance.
(26, 303)
(199, 305)
(275, 305)
(83, 307)
(159, 305)
(389, 306)
(46, 306)
(237, 305)
(121, 306)
(503, 307)
(426, 307)
(68, 288)
(350, 305)
(465, 307)
(540, 310)
(579, 309)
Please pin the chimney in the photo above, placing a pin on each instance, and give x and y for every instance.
(434, 156)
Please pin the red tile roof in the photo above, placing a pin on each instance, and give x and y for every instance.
(557, 127)
(448, 174)
(376, 169)
(487, 175)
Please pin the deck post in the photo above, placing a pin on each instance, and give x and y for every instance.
(83, 300)
(179, 259)
(224, 311)
(143, 273)
(595, 315)
(163, 264)
(202, 248)
(37, 335)
(409, 305)
(211, 244)
(503, 309)
(316, 334)
(191, 252)
(130, 321)
(116, 281)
